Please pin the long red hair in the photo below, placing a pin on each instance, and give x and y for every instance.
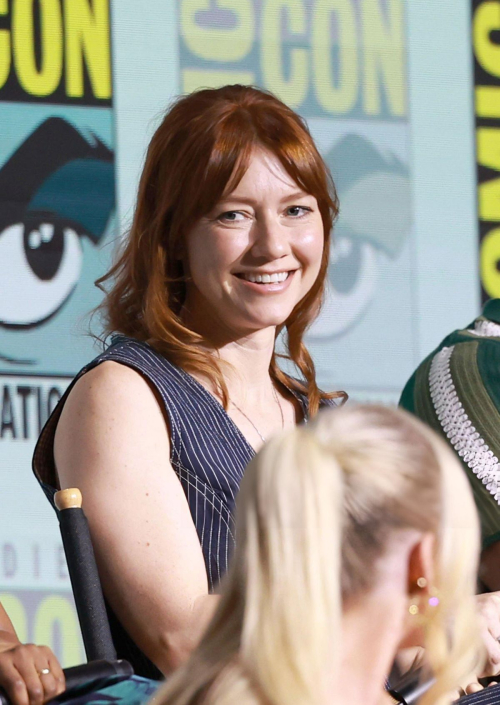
(199, 152)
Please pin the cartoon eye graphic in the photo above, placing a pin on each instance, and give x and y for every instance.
(373, 226)
(351, 284)
(54, 189)
(40, 265)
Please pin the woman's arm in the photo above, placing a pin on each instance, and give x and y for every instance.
(112, 442)
(23, 666)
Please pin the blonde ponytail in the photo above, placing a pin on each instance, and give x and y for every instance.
(291, 608)
(316, 510)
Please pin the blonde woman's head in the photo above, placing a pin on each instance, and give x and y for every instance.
(328, 514)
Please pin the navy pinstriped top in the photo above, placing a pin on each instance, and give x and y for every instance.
(208, 453)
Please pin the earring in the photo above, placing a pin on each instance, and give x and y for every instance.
(432, 600)
(414, 607)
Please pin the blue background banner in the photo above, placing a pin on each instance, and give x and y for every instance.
(387, 89)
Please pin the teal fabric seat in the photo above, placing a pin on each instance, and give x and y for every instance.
(134, 690)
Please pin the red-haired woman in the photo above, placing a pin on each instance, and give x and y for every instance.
(228, 249)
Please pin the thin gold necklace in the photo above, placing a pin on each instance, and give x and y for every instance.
(275, 394)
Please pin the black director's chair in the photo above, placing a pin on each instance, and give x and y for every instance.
(102, 665)
(85, 582)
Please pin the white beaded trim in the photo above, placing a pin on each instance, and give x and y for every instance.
(486, 329)
(458, 427)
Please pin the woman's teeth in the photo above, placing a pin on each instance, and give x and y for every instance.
(266, 278)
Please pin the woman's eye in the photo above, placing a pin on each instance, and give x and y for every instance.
(298, 211)
(231, 217)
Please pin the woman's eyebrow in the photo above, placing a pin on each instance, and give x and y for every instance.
(230, 199)
(236, 199)
(295, 194)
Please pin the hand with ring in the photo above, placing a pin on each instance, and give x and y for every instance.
(30, 674)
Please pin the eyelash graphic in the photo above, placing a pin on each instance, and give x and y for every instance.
(56, 188)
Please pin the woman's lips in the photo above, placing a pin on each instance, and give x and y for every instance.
(265, 277)
(265, 286)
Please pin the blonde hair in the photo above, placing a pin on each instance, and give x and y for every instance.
(316, 510)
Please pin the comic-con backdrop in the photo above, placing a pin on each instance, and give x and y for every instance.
(388, 92)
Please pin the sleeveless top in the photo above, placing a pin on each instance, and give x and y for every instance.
(208, 454)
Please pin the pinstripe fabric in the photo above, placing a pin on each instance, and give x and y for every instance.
(488, 696)
(208, 453)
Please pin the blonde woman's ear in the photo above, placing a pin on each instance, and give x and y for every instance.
(419, 590)
(421, 569)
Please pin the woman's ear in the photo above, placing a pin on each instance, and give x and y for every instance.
(421, 565)
(419, 586)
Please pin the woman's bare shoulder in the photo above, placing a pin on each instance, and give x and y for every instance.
(110, 407)
(110, 384)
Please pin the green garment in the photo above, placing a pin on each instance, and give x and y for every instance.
(456, 391)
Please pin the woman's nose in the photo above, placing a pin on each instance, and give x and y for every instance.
(270, 240)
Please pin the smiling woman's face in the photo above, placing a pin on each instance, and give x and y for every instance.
(257, 253)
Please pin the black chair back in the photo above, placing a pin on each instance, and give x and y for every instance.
(87, 591)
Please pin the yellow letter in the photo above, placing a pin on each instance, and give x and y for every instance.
(87, 40)
(218, 43)
(335, 95)
(489, 200)
(488, 147)
(35, 82)
(51, 610)
(489, 259)
(384, 56)
(15, 609)
(486, 21)
(488, 154)
(4, 46)
(294, 89)
(488, 101)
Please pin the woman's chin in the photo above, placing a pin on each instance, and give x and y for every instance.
(254, 323)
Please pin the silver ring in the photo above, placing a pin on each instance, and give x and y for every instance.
(44, 672)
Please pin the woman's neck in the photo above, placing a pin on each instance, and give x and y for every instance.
(247, 371)
(372, 628)
(369, 643)
(248, 355)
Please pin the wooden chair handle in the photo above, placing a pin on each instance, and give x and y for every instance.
(68, 499)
